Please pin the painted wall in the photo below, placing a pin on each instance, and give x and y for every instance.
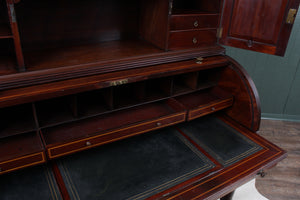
(277, 78)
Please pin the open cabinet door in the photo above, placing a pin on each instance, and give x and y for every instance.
(262, 26)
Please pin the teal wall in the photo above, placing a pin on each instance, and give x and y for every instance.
(276, 78)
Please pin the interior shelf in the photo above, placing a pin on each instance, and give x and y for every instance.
(95, 102)
(16, 120)
(200, 98)
(204, 102)
(21, 145)
(55, 111)
(103, 123)
(87, 54)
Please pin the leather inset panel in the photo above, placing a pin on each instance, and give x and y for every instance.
(36, 183)
(221, 141)
(135, 168)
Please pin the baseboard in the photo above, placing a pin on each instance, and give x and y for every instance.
(283, 117)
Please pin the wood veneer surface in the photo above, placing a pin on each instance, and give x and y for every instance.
(89, 127)
(20, 145)
(75, 55)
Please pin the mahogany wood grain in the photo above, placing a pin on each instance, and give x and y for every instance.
(154, 22)
(73, 137)
(75, 22)
(192, 39)
(246, 106)
(258, 26)
(20, 145)
(106, 57)
(88, 127)
(205, 102)
(72, 86)
(16, 35)
(21, 151)
(193, 21)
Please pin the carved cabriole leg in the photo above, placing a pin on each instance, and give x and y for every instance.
(228, 196)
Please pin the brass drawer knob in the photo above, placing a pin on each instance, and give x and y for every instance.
(213, 108)
(196, 24)
(158, 124)
(195, 41)
(88, 143)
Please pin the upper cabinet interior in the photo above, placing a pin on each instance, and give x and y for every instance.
(48, 38)
(263, 26)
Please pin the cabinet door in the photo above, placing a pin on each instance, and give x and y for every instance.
(258, 25)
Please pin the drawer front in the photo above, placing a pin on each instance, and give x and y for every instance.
(187, 22)
(192, 39)
(22, 162)
(198, 112)
(115, 135)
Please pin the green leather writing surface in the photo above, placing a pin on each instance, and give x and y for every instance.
(135, 168)
(224, 143)
(37, 183)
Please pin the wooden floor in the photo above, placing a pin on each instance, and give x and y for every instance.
(283, 181)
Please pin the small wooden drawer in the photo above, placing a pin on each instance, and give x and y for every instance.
(187, 22)
(22, 162)
(192, 39)
(20, 151)
(87, 133)
(206, 101)
(207, 109)
(115, 135)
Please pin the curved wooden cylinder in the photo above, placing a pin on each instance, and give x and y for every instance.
(246, 107)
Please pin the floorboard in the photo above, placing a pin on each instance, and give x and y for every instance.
(282, 181)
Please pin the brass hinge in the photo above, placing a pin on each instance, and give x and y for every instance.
(219, 32)
(291, 16)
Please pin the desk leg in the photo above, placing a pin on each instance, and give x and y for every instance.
(228, 196)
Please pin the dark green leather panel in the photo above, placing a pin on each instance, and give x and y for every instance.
(224, 143)
(134, 168)
(37, 183)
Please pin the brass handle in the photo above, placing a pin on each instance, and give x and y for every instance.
(196, 24)
(158, 124)
(291, 16)
(195, 41)
(88, 143)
